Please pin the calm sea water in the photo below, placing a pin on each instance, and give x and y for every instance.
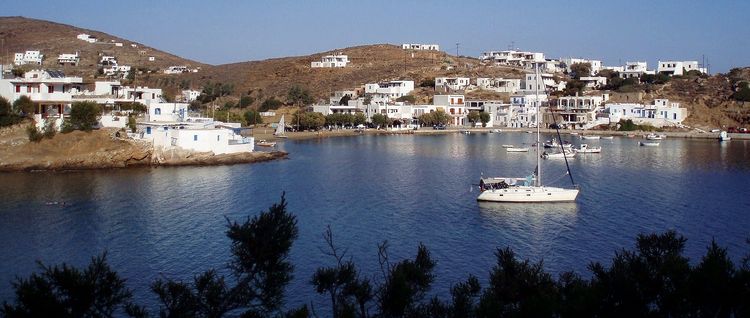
(170, 222)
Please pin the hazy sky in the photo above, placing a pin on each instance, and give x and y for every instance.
(218, 32)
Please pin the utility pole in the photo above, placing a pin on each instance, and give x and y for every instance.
(457, 44)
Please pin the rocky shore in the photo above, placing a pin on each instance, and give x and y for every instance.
(101, 150)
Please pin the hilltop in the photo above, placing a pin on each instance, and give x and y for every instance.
(20, 34)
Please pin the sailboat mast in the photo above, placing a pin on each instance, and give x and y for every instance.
(538, 181)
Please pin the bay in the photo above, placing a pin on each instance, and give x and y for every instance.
(406, 189)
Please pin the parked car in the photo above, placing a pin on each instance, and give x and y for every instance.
(439, 127)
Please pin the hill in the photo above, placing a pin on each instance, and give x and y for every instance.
(20, 34)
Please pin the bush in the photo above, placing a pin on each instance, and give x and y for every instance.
(24, 105)
(132, 123)
(427, 82)
(49, 130)
(270, 104)
(84, 116)
(743, 94)
(34, 134)
(253, 117)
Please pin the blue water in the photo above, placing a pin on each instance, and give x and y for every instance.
(170, 222)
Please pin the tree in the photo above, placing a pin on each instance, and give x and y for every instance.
(84, 115)
(132, 123)
(573, 87)
(359, 119)
(34, 134)
(712, 291)
(195, 106)
(743, 93)
(253, 117)
(299, 96)
(380, 120)
(579, 70)
(260, 251)
(345, 100)
(309, 120)
(66, 291)
(270, 104)
(484, 117)
(404, 284)
(24, 105)
(473, 116)
(427, 82)
(245, 101)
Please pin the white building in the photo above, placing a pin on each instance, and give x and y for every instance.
(578, 112)
(86, 37)
(678, 67)
(336, 60)
(391, 89)
(51, 91)
(499, 84)
(452, 83)
(107, 60)
(120, 71)
(420, 47)
(177, 69)
(198, 135)
(514, 58)
(524, 109)
(596, 65)
(660, 113)
(453, 105)
(69, 59)
(544, 82)
(336, 97)
(30, 57)
(190, 95)
(594, 82)
(635, 70)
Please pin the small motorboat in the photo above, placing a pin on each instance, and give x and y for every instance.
(584, 148)
(558, 155)
(517, 149)
(265, 143)
(723, 136)
(590, 137)
(654, 137)
(509, 146)
(649, 143)
(608, 137)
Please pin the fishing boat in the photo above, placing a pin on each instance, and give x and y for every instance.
(584, 148)
(265, 143)
(608, 137)
(649, 143)
(654, 137)
(517, 149)
(554, 144)
(530, 188)
(723, 136)
(280, 131)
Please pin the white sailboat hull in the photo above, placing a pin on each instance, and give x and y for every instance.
(528, 194)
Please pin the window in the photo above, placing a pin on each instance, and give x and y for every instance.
(195, 137)
(50, 89)
(157, 111)
(18, 88)
(28, 88)
(148, 130)
(217, 137)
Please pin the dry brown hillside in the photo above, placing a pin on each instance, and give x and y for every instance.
(370, 63)
(19, 34)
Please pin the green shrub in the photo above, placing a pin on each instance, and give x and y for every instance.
(34, 134)
(49, 130)
(84, 115)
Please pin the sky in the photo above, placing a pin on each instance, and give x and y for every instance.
(219, 32)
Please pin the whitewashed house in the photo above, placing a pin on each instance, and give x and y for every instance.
(454, 105)
(420, 47)
(499, 84)
(524, 109)
(452, 83)
(118, 71)
(522, 59)
(177, 69)
(336, 60)
(195, 134)
(51, 91)
(635, 70)
(68, 59)
(107, 60)
(660, 113)
(596, 65)
(678, 67)
(544, 82)
(190, 95)
(391, 89)
(578, 112)
(594, 82)
(336, 97)
(29, 57)
(86, 37)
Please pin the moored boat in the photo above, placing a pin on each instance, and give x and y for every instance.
(559, 155)
(649, 143)
(590, 137)
(265, 143)
(584, 148)
(723, 136)
(517, 149)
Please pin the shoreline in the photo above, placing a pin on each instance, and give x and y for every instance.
(429, 131)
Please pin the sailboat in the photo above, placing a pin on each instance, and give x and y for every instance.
(280, 129)
(529, 189)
